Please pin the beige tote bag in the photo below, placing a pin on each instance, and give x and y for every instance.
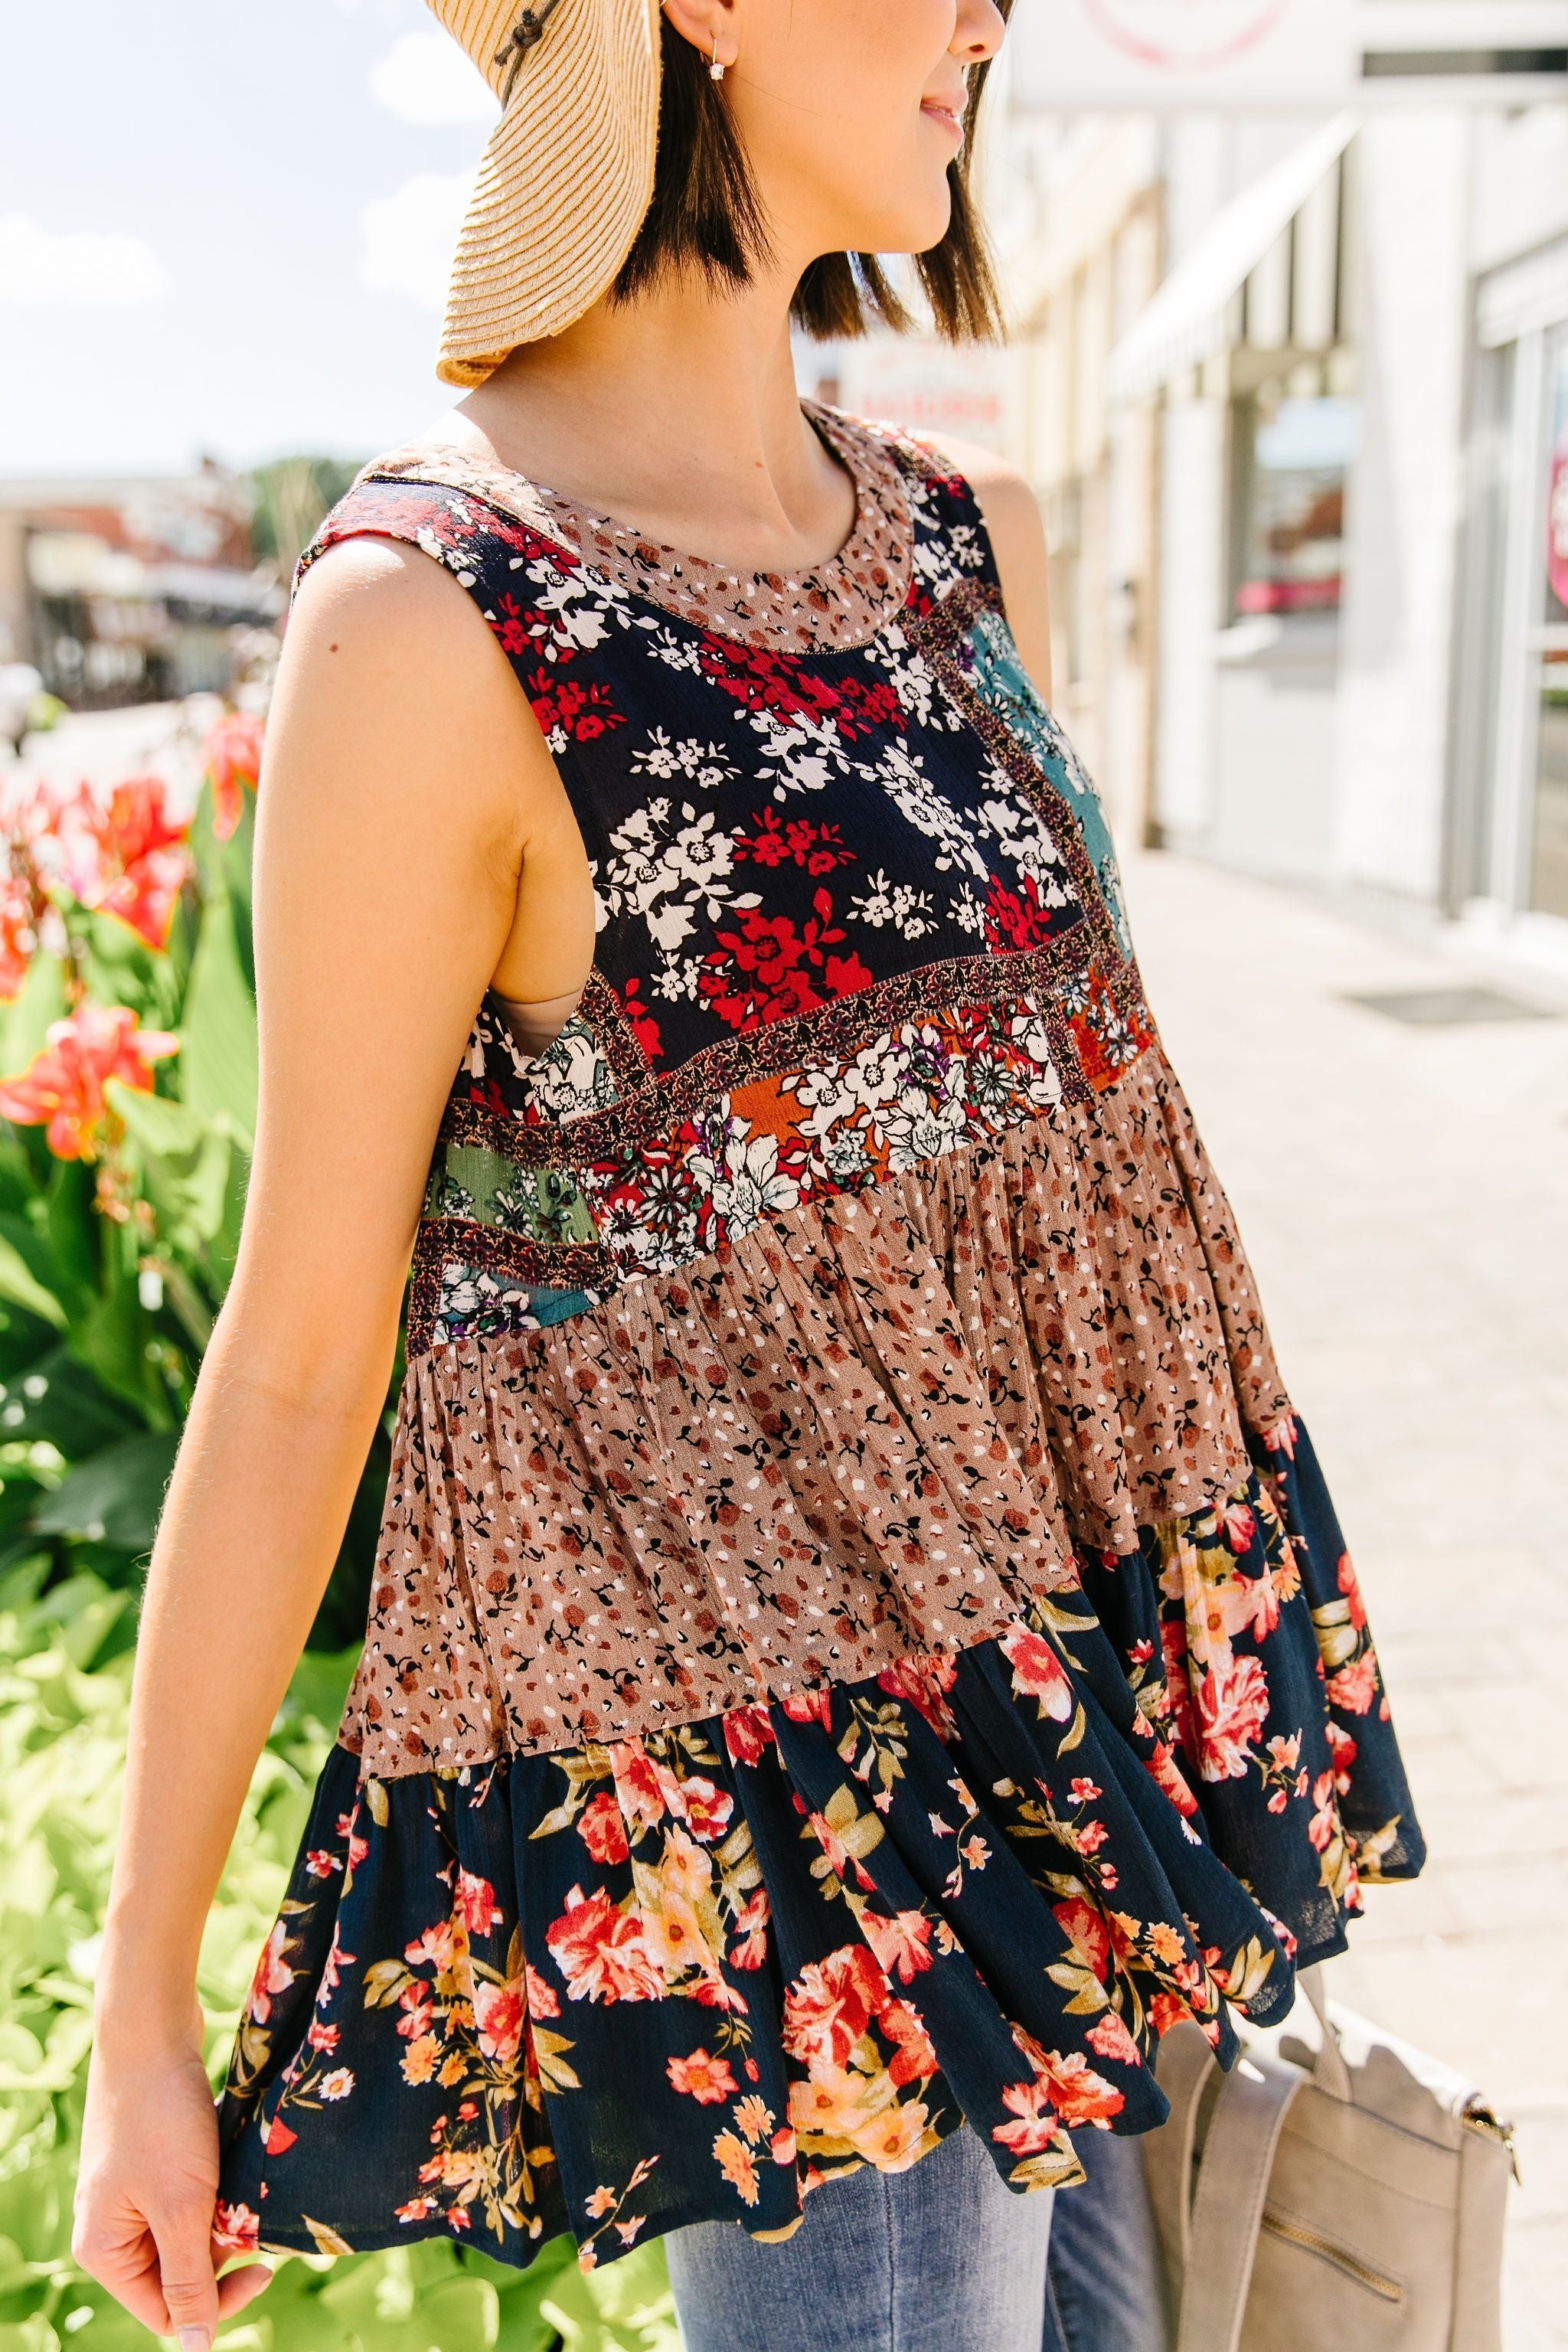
(1346, 2201)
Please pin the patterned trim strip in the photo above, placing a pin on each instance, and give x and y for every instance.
(515, 1257)
(616, 1037)
(938, 634)
(910, 1096)
(781, 1046)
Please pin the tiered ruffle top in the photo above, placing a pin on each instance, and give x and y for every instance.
(859, 1638)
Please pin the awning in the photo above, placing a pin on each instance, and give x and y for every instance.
(218, 588)
(1188, 319)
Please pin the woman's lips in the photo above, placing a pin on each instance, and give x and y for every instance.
(950, 117)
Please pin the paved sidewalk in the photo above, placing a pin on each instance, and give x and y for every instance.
(1404, 1196)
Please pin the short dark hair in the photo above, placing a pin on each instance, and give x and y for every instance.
(706, 212)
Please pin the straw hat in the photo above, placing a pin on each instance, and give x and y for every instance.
(567, 176)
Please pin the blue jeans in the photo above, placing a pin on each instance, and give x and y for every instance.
(941, 2258)
(1106, 2288)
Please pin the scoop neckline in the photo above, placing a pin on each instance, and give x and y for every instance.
(847, 597)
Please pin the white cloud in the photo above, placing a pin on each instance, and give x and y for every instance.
(75, 268)
(428, 77)
(409, 237)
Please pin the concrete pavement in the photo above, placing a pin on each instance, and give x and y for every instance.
(1404, 1196)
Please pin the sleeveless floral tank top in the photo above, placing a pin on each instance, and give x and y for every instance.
(859, 1638)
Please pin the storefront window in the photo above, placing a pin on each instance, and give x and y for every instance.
(1548, 861)
(1291, 457)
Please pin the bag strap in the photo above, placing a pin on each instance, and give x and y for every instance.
(1330, 2072)
(1183, 2064)
(1228, 2205)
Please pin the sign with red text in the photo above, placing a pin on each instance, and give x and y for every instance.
(1070, 55)
(928, 387)
(1183, 53)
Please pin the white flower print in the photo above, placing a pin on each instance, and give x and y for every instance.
(571, 1077)
(450, 557)
(580, 615)
(748, 1183)
(676, 653)
(1028, 1032)
(909, 911)
(803, 754)
(651, 1227)
(926, 1132)
(943, 549)
(675, 981)
(466, 1293)
(581, 607)
(911, 679)
(837, 1090)
(901, 775)
(633, 1241)
(843, 1154)
(706, 764)
(967, 910)
(665, 875)
(1004, 818)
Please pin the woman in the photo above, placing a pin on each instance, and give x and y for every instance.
(847, 1658)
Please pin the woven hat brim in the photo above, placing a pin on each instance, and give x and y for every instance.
(563, 186)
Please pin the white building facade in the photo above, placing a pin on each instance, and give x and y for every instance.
(1292, 386)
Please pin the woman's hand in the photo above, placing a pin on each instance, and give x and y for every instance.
(145, 2190)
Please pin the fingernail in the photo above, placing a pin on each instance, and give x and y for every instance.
(195, 2339)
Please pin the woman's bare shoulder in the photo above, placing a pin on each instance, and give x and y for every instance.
(1017, 531)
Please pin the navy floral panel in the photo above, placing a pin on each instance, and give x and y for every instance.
(860, 1640)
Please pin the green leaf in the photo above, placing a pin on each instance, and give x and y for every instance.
(116, 1496)
(18, 1282)
(108, 1333)
(85, 1610)
(60, 1400)
(182, 1161)
(121, 968)
(25, 1021)
(218, 1065)
(72, 1230)
(33, 2335)
(317, 1692)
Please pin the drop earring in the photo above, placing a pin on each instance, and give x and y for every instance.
(715, 69)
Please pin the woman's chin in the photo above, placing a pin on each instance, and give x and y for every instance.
(911, 227)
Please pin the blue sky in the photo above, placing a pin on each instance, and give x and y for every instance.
(224, 228)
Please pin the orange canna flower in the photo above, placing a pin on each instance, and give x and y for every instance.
(63, 1084)
(128, 855)
(31, 811)
(232, 757)
(17, 936)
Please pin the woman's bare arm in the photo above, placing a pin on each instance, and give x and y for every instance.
(401, 763)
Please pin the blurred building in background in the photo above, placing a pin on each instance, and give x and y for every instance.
(131, 589)
(1289, 376)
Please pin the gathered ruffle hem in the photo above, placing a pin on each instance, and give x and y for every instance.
(621, 1987)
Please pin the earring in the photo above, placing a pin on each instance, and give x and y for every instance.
(715, 69)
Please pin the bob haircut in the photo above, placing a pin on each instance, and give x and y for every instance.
(705, 212)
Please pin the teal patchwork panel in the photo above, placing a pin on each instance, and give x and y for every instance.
(997, 675)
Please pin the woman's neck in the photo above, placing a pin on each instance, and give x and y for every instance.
(678, 414)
